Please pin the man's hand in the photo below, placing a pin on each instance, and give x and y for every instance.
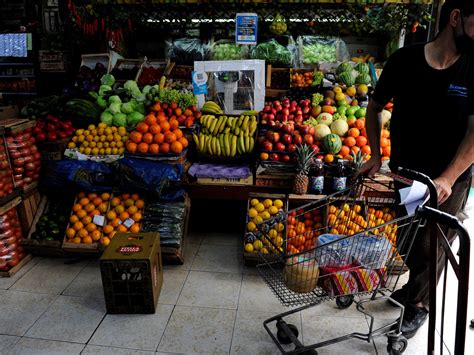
(370, 167)
(443, 187)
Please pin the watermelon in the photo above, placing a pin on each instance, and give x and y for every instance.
(346, 78)
(363, 79)
(332, 143)
(362, 68)
(343, 67)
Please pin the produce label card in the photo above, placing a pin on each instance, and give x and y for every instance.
(99, 220)
(128, 222)
(200, 83)
(246, 26)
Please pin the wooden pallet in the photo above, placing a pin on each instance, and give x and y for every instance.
(16, 268)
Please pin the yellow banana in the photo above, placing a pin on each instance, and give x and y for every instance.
(252, 128)
(234, 146)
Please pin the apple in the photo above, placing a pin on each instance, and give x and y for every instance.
(315, 148)
(303, 129)
(285, 112)
(268, 146)
(14, 154)
(316, 110)
(285, 158)
(299, 112)
(306, 110)
(288, 128)
(308, 139)
(271, 116)
(280, 147)
(286, 139)
(291, 148)
(299, 118)
(297, 139)
(275, 137)
(274, 157)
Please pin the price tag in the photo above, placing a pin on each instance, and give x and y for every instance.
(98, 220)
(128, 222)
(199, 83)
(246, 26)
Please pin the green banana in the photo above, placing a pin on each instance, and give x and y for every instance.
(234, 146)
(242, 142)
(237, 131)
(252, 144)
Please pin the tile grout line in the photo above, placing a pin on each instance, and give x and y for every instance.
(25, 273)
(236, 312)
(164, 330)
(14, 344)
(75, 277)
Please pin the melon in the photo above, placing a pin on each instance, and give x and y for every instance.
(332, 143)
(363, 79)
(339, 127)
(362, 68)
(343, 67)
(324, 118)
(347, 78)
(321, 131)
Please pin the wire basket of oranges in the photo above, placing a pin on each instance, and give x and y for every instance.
(124, 215)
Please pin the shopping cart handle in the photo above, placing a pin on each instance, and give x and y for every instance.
(440, 217)
(425, 179)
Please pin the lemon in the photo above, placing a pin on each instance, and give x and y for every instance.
(112, 145)
(108, 131)
(91, 127)
(351, 91)
(120, 150)
(249, 248)
(257, 220)
(81, 138)
(89, 138)
(92, 144)
(267, 203)
(122, 131)
(273, 210)
(105, 144)
(96, 139)
(254, 202)
(257, 245)
(278, 241)
(117, 137)
(108, 151)
(280, 227)
(272, 233)
(260, 207)
(101, 151)
(102, 138)
(278, 203)
(95, 151)
(337, 89)
(362, 89)
(79, 132)
(265, 215)
(253, 213)
(110, 138)
(71, 145)
(114, 151)
(118, 144)
(81, 150)
(264, 250)
(87, 151)
(102, 125)
(251, 226)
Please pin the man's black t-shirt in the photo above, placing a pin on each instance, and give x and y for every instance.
(431, 109)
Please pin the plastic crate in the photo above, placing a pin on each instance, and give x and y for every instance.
(132, 273)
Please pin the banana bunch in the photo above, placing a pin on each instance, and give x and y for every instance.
(211, 107)
(227, 135)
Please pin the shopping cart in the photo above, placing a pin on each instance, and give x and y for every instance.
(351, 243)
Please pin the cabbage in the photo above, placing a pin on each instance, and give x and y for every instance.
(107, 118)
(134, 118)
(120, 119)
(103, 89)
(131, 85)
(146, 89)
(140, 108)
(114, 108)
(107, 79)
(101, 102)
(127, 107)
(115, 98)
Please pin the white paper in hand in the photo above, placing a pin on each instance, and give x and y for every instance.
(414, 196)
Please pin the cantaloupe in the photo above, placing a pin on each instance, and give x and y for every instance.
(320, 131)
(339, 127)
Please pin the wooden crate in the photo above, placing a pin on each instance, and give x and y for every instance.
(173, 256)
(16, 125)
(285, 72)
(223, 181)
(17, 267)
(53, 150)
(28, 208)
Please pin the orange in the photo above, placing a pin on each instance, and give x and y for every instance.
(359, 124)
(351, 121)
(84, 201)
(132, 209)
(102, 207)
(125, 196)
(119, 209)
(70, 233)
(386, 151)
(78, 226)
(361, 141)
(170, 137)
(105, 241)
(188, 112)
(365, 149)
(154, 148)
(82, 233)
(350, 141)
(92, 196)
(176, 147)
(95, 235)
(140, 203)
(155, 129)
(111, 215)
(355, 149)
(174, 123)
(77, 207)
(150, 119)
(73, 219)
(329, 158)
(115, 222)
(161, 117)
(353, 132)
(105, 196)
(184, 142)
(165, 126)
(129, 202)
(345, 150)
(178, 133)
(164, 148)
(135, 197)
(89, 207)
(384, 142)
(143, 148)
(159, 138)
(148, 138)
(135, 228)
(86, 220)
(385, 133)
(121, 228)
(136, 137)
(124, 216)
(91, 227)
(108, 228)
(97, 201)
(178, 112)
(77, 240)
(87, 240)
(131, 147)
(115, 201)
(142, 127)
(137, 217)
(81, 214)
(81, 194)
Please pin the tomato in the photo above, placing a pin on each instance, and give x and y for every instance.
(29, 166)
(18, 162)
(36, 177)
(37, 156)
(33, 149)
(30, 173)
(14, 154)
(18, 170)
(13, 262)
(28, 159)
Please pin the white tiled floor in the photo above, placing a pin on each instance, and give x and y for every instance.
(211, 304)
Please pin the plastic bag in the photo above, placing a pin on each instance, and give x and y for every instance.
(186, 51)
(314, 50)
(144, 175)
(228, 50)
(335, 254)
(166, 218)
(273, 53)
(370, 251)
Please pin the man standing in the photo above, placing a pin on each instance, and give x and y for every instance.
(432, 131)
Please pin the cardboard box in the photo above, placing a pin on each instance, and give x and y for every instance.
(8, 112)
(132, 273)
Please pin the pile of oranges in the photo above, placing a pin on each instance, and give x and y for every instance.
(124, 215)
(157, 134)
(303, 230)
(81, 229)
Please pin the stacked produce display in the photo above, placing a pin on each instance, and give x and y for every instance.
(6, 172)
(11, 251)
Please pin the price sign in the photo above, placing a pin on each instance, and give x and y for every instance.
(246, 26)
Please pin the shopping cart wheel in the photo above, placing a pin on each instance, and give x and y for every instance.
(283, 338)
(397, 345)
(344, 301)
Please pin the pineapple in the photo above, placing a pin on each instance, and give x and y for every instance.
(304, 160)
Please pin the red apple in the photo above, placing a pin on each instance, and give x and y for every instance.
(291, 148)
(316, 149)
(280, 147)
(297, 139)
(285, 158)
(286, 139)
(308, 139)
(285, 112)
(268, 146)
(274, 157)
